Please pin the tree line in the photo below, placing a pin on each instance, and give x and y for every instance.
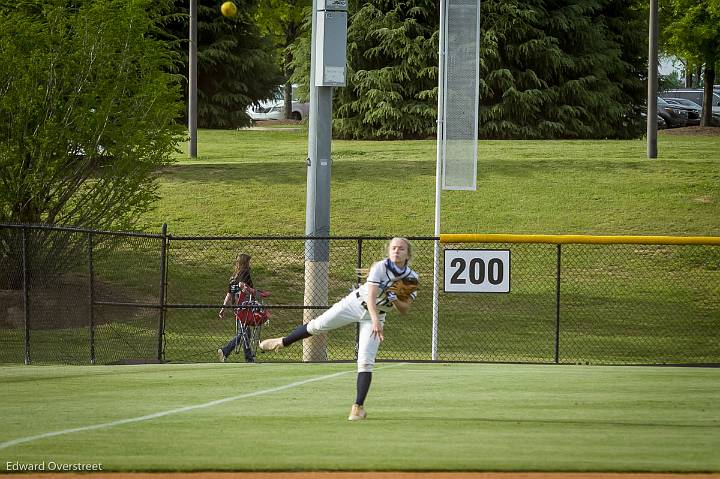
(93, 92)
(549, 68)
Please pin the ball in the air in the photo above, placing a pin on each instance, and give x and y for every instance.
(228, 9)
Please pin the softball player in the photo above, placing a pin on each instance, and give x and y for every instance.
(366, 305)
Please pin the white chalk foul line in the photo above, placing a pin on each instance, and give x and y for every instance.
(22, 440)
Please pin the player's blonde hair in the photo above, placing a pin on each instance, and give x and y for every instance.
(363, 272)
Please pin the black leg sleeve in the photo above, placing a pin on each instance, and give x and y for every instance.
(363, 386)
(297, 334)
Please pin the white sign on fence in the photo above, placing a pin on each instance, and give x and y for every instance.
(477, 271)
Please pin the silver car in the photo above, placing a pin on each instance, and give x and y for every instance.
(274, 109)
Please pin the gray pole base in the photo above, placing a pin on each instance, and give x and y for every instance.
(316, 293)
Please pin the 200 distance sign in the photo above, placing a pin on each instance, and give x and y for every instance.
(477, 271)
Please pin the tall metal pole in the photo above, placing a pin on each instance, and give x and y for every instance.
(91, 296)
(26, 290)
(442, 51)
(317, 209)
(652, 81)
(192, 80)
(558, 271)
(163, 277)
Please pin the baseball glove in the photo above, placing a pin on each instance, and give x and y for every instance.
(404, 288)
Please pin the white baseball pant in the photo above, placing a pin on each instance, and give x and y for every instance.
(350, 310)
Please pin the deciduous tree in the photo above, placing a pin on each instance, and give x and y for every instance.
(691, 29)
(87, 110)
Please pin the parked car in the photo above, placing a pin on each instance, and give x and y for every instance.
(661, 123)
(694, 110)
(694, 94)
(265, 111)
(684, 102)
(715, 108)
(274, 109)
(673, 116)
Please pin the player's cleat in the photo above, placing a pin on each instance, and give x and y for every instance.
(357, 413)
(272, 344)
(221, 355)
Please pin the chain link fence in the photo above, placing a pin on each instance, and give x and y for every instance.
(78, 296)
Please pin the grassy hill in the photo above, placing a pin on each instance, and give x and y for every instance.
(252, 182)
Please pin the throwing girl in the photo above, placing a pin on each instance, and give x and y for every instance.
(366, 305)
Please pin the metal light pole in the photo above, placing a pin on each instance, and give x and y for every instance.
(652, 81)
(192, 81)
(317, 202)
(327, 69)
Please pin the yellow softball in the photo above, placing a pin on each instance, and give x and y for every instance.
(228, 9)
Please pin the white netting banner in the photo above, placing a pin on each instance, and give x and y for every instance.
(461, 71)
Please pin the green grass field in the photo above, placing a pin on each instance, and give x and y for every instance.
(274, 416)
(421, 417)
(253, 183)
(619, 304)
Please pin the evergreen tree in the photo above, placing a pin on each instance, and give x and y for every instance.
(236, 64)
(560, 69)
(392, 70)
(626, 24)
(549, 69)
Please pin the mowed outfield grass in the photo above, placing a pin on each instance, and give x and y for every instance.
(252, 182)
(421, 417)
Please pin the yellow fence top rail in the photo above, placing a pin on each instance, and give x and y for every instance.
(577, 239)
